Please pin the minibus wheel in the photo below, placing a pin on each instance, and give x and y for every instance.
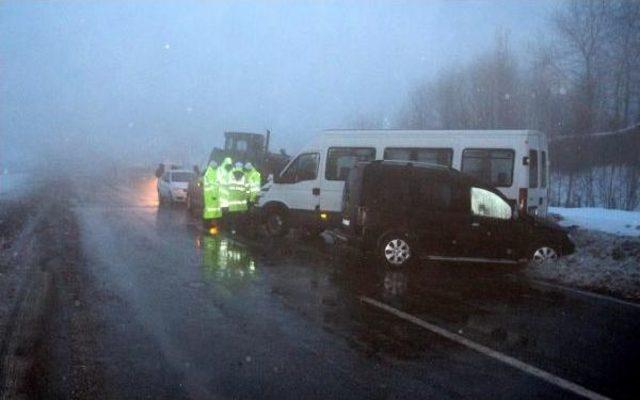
(395, 249)
(276, 222)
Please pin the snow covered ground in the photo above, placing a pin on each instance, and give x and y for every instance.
(617, 222)
(607, 257)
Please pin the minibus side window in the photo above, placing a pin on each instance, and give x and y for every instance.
(543, 169)
(400, 154)
(493, 166)
(422, 154)
(434, 156)
(533, 169)
(340, 160)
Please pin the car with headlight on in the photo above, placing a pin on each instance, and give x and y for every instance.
(401, 211)
(173, 185)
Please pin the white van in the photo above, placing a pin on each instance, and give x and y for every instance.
(309, 189)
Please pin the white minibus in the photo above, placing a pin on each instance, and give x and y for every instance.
(309, 189)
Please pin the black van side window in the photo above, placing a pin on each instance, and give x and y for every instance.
(488, 204)
(340, 160)
(434, 194)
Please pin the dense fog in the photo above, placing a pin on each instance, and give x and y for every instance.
(142, 82)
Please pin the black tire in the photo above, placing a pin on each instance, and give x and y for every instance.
(395, 250)
(276, 222)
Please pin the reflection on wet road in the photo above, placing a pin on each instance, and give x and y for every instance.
(225, 260)
(200, 315)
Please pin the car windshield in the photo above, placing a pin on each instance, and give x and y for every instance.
(181, 176)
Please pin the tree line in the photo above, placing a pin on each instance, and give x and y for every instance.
(582, 77)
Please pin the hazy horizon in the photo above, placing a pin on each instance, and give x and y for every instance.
(144, 82)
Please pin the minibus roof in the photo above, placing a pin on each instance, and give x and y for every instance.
(505, 132)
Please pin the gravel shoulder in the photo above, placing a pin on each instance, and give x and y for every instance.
(47, 331)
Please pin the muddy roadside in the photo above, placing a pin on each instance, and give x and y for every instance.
(47, 329)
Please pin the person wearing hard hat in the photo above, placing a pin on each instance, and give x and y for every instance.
(237, 189)
(211, 192)
(252, 182)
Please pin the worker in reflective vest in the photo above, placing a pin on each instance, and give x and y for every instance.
(211, 192)
(224, 181)
(237, 189)
(252, 181)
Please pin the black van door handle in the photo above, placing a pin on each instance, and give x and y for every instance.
(316, 191)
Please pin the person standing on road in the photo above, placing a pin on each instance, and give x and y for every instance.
(224, 181)
(160, 170)
(237, 189)
(252, 182)
(211, 192)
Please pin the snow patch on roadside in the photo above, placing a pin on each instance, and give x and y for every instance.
(603, 262)
(616, 222)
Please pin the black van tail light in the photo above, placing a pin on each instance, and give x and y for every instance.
(362, 215)
(522, 200)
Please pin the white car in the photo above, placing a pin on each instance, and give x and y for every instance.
(173, 184)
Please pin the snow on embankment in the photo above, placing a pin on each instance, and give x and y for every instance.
(603, 262)
(617, 222)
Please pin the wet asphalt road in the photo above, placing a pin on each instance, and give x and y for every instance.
(183, 314)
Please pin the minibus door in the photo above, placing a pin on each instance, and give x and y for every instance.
(299, 182)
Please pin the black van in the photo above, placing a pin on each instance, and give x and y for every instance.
(402, 210)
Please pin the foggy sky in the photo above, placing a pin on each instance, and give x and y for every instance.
(156, 81)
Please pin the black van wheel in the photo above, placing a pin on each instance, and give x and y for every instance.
(541, 254)
(395, 250)
(276, 222)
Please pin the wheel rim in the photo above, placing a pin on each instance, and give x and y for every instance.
(397, 252)
(544, 254)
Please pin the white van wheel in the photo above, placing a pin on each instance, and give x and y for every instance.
(544, 254)
(276, 223)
